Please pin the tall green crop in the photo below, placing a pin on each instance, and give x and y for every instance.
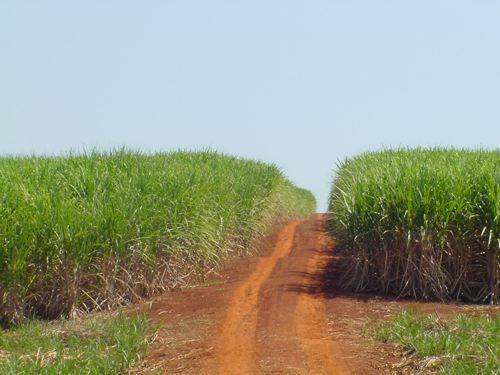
(101, 229)
(423, 223)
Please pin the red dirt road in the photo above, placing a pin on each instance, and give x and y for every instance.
(238, 349)
(279, 313)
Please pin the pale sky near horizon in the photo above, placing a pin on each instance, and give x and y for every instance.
(298, 83)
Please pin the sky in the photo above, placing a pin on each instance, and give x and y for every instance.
(303, 84)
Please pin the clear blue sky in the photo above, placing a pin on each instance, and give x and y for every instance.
(298, 83)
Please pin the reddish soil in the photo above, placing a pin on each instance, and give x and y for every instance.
(278, 313)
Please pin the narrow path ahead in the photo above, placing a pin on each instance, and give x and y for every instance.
(273, 323)
(277, 313)
(236, 347)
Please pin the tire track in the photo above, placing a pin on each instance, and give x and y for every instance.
(324, 356)
(236, 344)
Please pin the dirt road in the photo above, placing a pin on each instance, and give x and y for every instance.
(278, 313)
(273, 326)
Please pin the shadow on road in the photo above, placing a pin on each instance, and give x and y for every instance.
(325, 280)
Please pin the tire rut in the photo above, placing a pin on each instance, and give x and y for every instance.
(274, 323)
(236, 344)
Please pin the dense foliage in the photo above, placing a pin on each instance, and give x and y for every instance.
(422, 223)
(101, 229)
